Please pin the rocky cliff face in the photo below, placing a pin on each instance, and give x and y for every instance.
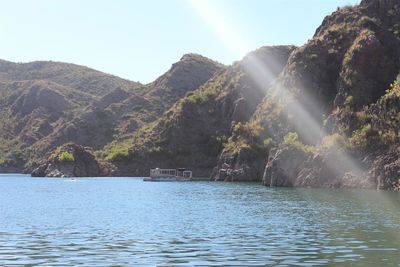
(333, 96)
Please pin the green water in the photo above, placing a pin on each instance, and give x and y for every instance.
(127, 222)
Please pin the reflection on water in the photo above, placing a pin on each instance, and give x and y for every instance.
(126, 222)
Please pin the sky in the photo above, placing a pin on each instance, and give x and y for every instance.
(140, 39)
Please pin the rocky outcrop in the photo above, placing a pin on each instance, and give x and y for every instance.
(243, 167)
(184, 76)
(71, 160)
(385, 169)
(38, 95)
(290, 167)
(116, 96)
(283, 167)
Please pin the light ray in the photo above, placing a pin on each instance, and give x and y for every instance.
(218, 23)
(213, 16)
(304, 112)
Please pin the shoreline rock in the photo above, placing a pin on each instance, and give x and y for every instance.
(71, 160)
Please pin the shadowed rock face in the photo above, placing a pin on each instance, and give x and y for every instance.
(368, 67)
(37, 97)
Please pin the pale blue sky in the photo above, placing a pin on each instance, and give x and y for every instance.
(139, 40)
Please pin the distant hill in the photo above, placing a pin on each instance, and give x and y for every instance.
(47, 104)
(78, 77)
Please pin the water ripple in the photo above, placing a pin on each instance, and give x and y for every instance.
(125, 222)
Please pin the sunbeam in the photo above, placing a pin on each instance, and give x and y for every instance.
(214, 17)
(305, 114)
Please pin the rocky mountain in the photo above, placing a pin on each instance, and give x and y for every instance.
(46, 104)
(192, 133)
(332, 117)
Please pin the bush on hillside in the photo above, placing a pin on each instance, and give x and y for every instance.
(66, 157)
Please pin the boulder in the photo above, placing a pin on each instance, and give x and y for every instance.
(80, 163)
(284, 165)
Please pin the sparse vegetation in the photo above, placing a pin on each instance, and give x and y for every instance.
(292, 139)
(335, 141)
(368, 22)
(379, 122)
(118, 151)
(348, 100)
(66, 157)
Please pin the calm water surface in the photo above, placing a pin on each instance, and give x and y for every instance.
(127, 222)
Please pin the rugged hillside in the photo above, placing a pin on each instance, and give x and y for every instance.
(117, 115)
(186, 75)
(193, 132)
(31, 110)
(327, 106)
(48, 104)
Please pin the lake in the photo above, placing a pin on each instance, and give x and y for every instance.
(128, 222)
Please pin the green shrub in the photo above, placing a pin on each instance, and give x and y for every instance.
(348, 100)
(389, 137)
(199, 97)
(3, 161)
(156, 149)
(66, 157)
(221, 139)
(118, 154)
(396, 30)
(292, 139)
(118, 151)
(234, 147)
(394, 89)
(365, 138)
(248, 130)
(363, 117)
(268, 142)
(369, 22)
(334, 141)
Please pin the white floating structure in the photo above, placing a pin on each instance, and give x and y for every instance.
(169, 175)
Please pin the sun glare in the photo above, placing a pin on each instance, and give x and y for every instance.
(216, 19)
(305, 122)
